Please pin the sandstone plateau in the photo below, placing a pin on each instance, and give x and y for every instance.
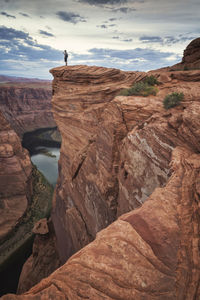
(26, 104)
(126, 158)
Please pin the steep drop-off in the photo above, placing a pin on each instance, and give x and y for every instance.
(25, 197)
(92, 128)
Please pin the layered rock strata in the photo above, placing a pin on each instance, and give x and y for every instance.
(27, 106)
(115, 150)
(91, 128)
(118, 154)
(149, 253)
(15, 178)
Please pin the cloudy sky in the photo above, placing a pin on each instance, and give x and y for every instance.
(124, 34)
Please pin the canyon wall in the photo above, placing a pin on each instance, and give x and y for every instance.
(25, 197)
(15, 178)
(27, 105)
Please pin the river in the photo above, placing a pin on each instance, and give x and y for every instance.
(46, 160)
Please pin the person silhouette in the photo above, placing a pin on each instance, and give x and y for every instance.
(65, 56)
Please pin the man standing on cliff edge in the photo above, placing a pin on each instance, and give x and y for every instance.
(65, 56)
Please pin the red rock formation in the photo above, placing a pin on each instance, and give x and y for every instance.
(27, 106)
(116, 153)
(91, 128)
(149, 253)
(115, 150)
(15, 177)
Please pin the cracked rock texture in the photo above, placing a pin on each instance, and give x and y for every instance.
(27, 105)
(15, 177)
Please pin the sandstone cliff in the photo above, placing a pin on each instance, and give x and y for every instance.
(115, 150)
(27, 105)
(120, 154)
(92, 127)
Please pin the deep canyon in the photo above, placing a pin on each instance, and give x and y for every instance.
(125, 213)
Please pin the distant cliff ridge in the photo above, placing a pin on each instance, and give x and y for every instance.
(27, 104)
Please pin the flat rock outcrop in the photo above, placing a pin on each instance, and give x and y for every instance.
(27, 105)
(149, 253)
(15, 177)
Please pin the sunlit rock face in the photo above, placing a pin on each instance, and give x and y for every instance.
(15, 177)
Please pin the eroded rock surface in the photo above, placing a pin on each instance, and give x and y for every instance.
(149, 253)
(15, 177)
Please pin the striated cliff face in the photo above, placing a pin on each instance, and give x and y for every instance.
(15, 177)
(115, 150)
(92, 127)
(27, 106)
